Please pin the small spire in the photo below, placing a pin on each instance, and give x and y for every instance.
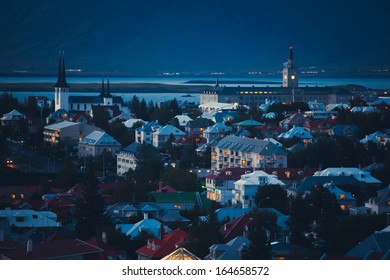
(108, 93)
(291, 56)
(217, 83)
(103, 90)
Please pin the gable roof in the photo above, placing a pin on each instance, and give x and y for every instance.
(235, 227)
(135, 149)
(307, 183)
(152, 226)
(60, 125)
(157, 248)
(232, 249)
(170, 129)
(379, 242)
(249, 145)
(97, 138)
(296, 132)
(201, 123)
(363, 176)
(249, 123)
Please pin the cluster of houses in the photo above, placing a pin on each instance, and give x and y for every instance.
(240, 164)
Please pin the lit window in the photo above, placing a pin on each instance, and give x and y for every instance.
(21, 195)
(13, 196)
(342, 196)
(342, 207)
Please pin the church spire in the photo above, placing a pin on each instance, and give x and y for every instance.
(217, 83)
(102, 92)
(290, 55)
(108, 93)
(61, 80)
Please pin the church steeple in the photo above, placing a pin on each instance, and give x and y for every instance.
(61, 80)
(108, 93)
(217, 83)
(290, 55)
(102, 92)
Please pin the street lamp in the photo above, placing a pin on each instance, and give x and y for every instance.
(258, 203)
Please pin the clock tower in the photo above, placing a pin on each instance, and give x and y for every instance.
(290, 73)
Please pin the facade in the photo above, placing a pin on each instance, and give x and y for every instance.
(297, 132)
(11, 118)
(29, 218)
(246, 188)
(216, 131)
(198, 125)
(97, 143)
(220, 184)
(233, 151)
(144, 134)
(381, 203)
(69, 133)
(127, 158)
(162, 135)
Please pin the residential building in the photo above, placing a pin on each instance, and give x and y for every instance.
(158, 248)
(381, 203)
(128, 157)
(233, 151)
(163, 134)
(248, 124)
(271, 130)
(297, 132)
(220, 184)
(97, 143)
(216, 131)
(12, 118)
(345, 199)
(297, 119)
(21, 218)
(246, 188)
(232, 250)
(344, 131)
(198, 125)
(377, 138)
(68, 133)
(183, 120)
(181, 254)
(59, 116)
(360, 175)
(236, 227)
(147, 226)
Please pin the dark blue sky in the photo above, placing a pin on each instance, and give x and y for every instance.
(192, 35)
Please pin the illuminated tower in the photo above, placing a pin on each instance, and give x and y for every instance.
(61, 88)
(290, 73)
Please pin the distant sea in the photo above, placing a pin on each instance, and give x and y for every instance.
(374, 83)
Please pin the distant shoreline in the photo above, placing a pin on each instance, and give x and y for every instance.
(114, 87)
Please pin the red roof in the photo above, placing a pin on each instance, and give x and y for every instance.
(108, 251)
(291, 173)
(65, 248)
(235, 227)
(189, 139)
(271, 128)
(163, 188)
(157, 248)
(229, 173)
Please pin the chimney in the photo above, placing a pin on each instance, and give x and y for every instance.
(104, 237)
(29, 246)
(146, 215)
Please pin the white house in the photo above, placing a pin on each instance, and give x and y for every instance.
(363, 176)
(343, 198)
(246, 188)
(162, 135)
(97, 143)
(11, 117)
(297, 132)
(144, 134)
(128, 157)
(29, 218)
(376, 137)
(183, 120)
(216, 131)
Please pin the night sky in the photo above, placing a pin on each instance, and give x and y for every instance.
(154, 36)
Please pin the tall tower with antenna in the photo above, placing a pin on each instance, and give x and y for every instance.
(290, 73)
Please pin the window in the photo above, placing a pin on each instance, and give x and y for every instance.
(342, 196)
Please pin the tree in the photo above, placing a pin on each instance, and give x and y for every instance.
(259, 248)
(135, 105)
(180, 179)
(277, 198)
(89, 208)
(67, 174)
(101, 117)
(300, 220)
